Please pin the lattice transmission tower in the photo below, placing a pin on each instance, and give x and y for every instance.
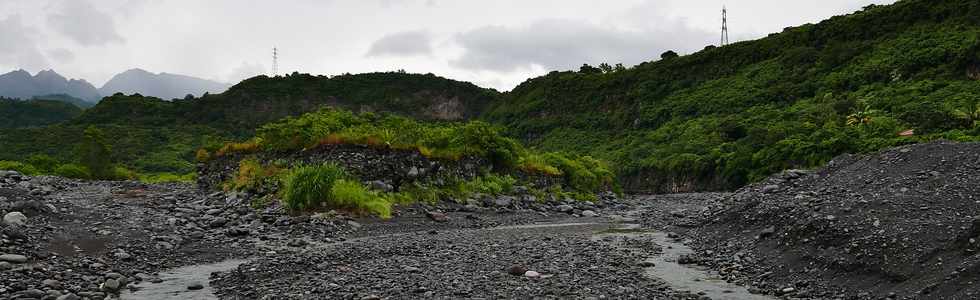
(275, 62)
(724, 26)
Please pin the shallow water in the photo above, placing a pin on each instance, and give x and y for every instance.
(680, 277)
(174, 285)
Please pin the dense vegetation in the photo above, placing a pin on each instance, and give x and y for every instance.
(15, 113)
(725, 116)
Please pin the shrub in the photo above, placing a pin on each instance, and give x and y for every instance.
(72, 171)
(251, 175)
(43, 163)
(353, 195)
(309, 187)
(122, 173)
(168, 177)
(202, 155)
(95, 154)
(20, 167)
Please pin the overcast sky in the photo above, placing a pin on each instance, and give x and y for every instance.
(495, 44)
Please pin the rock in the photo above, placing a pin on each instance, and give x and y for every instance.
(69, 296)
(589, 213)
(503, 201)
(32, 293)
(123, 255)
(532, 274)
(110, 285)
(14, 232)
(371, 297)
(381, 186)
(218, 222)
(517, 270)
(785, 291)
(646, 264)
(437, 216)
(193, 286)
(15, 218)
(767, 232)
(51, 283)
(297, 243)
(410, 269)
(772, 188)
(565, 208)
(413, 172)
(5, 266)
(13, 258)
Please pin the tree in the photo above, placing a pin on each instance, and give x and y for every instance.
(606, 68)
(95, 154)
(587, 69)
(668, 55)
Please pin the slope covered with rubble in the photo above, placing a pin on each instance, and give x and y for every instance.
(902, 223)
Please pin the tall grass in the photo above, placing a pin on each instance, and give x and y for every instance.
(329, 186)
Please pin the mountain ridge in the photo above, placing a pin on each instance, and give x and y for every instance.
(161, 85)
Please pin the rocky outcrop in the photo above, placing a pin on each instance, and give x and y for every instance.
(367, 163)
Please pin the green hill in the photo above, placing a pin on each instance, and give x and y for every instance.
(32, 113)
(153, 135)
(725, 116)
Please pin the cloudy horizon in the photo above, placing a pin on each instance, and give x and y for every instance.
(495, 44)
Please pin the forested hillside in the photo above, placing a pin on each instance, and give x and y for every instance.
(725, 116)
(17, 113)
(152, 135)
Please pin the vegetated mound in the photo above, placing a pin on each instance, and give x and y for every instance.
(903, 221)
(726, 116)
(392, 159)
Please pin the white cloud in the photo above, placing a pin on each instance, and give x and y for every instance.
(83, 23)
(406, 43)
(19, 48)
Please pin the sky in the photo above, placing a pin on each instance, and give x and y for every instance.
(496, 44)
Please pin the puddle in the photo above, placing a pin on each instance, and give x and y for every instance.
(174, 285)
(680, 277)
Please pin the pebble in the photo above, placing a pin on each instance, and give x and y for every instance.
(437, 216)
(532, 274)
(110, 285)
(15, 218)
(589, 213)
(13, 258)
(516, 270)
(193, 286)
(69, 297)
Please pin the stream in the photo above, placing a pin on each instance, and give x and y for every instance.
(681, 277)
(175, 282)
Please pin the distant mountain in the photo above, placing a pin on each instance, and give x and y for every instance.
(20, 84)
(162, 85)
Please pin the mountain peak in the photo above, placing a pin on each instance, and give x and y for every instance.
(160, 85)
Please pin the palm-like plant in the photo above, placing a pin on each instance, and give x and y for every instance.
(862, 117)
